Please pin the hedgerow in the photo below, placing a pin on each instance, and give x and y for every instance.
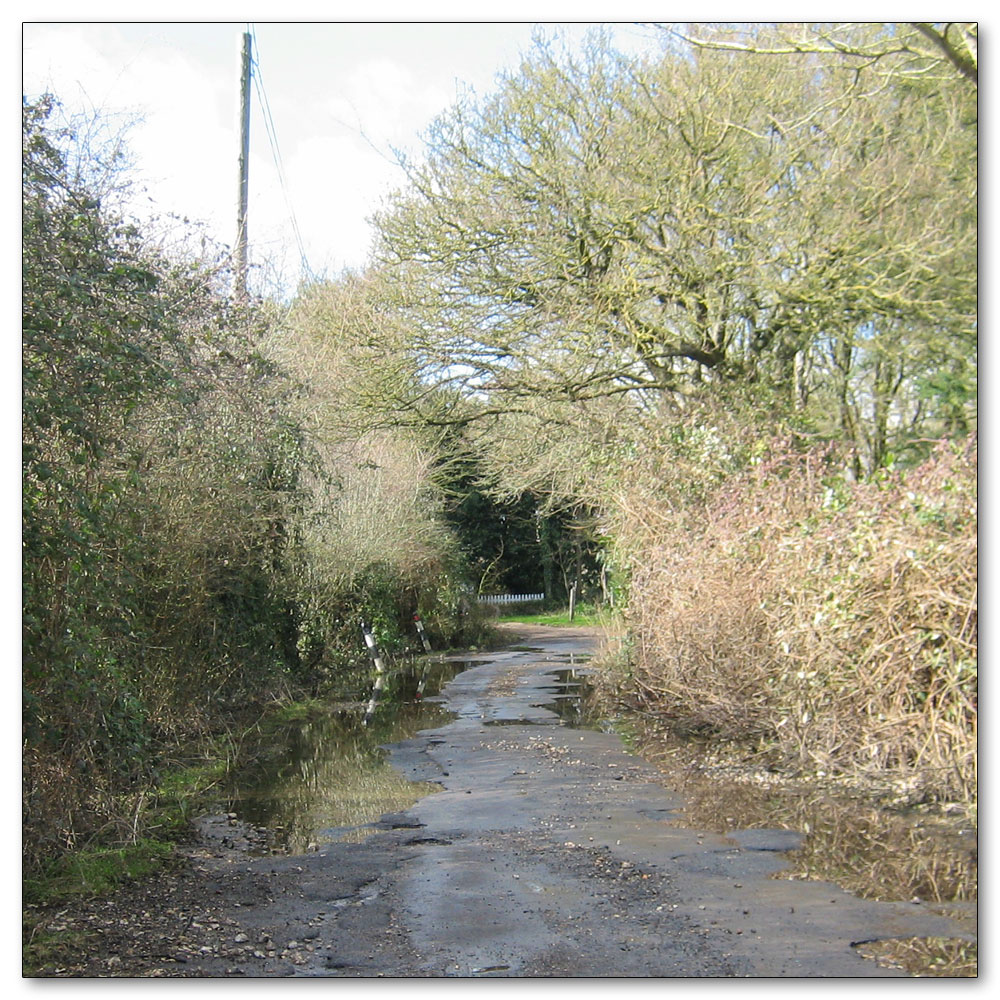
(832, 622)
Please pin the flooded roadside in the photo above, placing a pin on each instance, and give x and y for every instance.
(922, 854)
(919, 854)
(324, 777)
(546, 849)
(912, 854)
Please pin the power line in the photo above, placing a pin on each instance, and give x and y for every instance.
(276, 155)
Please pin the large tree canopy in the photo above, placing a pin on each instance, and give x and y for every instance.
(706, 219)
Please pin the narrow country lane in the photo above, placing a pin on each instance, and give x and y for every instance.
(549, 851)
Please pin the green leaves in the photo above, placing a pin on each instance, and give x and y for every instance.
(705, 222)
(160, 476)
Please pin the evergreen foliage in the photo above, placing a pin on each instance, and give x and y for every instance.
(193, 544)
(603, 295)
(628, 277)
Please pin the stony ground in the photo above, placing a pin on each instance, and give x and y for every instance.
(549, 851)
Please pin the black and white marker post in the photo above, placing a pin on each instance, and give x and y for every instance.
(422, 683)
(423, 635)
(379, 671)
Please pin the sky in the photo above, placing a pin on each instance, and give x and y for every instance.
(342, 98)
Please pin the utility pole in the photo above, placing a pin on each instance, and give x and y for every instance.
(240, 254)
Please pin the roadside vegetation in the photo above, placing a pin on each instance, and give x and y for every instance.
(201, 536)
(720, 307)
(828, 624)
(694, 334)
(583, 615)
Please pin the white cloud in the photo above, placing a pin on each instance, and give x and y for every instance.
(335, 91)
(340, 180)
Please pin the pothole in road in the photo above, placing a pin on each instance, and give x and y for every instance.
(568, 696)
(572, 700)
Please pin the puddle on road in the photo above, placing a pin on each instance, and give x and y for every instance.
(573, 700)
(324, 778)
(879, 853)
(876, 852)
(521, 722)
(568, 695)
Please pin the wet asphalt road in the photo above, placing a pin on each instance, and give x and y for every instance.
(549, 851)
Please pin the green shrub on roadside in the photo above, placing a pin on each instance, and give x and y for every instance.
(196, 540)
(95, 872)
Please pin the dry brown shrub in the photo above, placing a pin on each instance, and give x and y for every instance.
(377, 506)
(836, 621)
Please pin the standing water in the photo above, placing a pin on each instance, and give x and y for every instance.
(325, 776)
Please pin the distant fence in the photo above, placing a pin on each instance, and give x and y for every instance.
(510, 598)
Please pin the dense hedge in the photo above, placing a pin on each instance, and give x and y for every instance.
(178, 514)
(831, 622)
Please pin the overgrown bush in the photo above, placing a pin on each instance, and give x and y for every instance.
(374, 542)
(833, 621)
(202, 531)
(159, 491)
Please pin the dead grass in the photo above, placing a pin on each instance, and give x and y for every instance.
(944, 958)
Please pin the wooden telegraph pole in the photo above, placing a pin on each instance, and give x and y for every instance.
(240, 255)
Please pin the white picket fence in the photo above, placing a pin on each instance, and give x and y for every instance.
(510, 598)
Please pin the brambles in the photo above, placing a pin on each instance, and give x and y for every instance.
(833, 622)
(667, 284)
(196, 540)
(707, 311)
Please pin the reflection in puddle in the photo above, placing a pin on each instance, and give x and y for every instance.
(875, 853)
(574, 701)
(568, 695)
(324, 778)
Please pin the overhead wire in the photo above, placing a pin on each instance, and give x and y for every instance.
(276, 152)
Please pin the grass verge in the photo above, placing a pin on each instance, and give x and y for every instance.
(583, 615)
(96, 871)
(99, 868)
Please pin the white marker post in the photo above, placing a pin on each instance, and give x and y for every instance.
(423, 634)
(422, 683)
(379, 671)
